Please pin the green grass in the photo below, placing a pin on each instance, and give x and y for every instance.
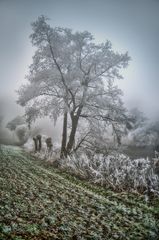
(40, 202)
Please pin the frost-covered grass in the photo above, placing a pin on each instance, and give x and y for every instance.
(116, 170)
(39, 202)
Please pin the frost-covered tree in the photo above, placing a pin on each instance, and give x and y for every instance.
(73, 76)
(150, 135)
(20, 130)
(138, 118)
(22, 134)
(19, 120)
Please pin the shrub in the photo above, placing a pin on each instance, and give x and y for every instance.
(116, 171)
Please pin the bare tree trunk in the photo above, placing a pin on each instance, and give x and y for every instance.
(39, 143)
(74, 119)
(72, 134)
(35, 144)
(64, 137)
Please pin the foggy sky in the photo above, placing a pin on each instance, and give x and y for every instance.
(131, 26)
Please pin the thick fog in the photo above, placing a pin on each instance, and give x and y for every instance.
(130, 25)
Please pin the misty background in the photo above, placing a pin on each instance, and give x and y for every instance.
(130, 25)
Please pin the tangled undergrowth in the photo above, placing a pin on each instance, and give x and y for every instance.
(38, 202)
(115, 170)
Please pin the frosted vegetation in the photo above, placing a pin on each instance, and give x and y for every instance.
(114, 169)
(39, 202)
(117, 171)
(73, 78)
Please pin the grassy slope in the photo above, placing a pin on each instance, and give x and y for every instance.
(38, 202)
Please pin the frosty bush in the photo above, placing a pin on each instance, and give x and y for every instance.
(116, 171)
(22, 133)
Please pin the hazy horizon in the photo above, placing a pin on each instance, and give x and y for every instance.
(130, 25)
